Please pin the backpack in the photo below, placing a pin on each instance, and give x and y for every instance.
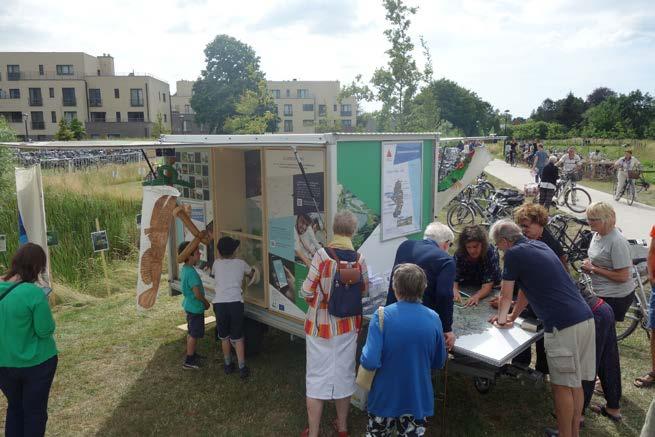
(346, 296)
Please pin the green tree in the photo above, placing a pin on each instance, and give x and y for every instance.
(64, 133)
(398, 81)
(570, 111)
(159, 128)
(6, 164)
(598, 96)
(226, 77)
(256, 113)
(77, 128)
(623, 116)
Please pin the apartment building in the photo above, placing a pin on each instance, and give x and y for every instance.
(38, 89)
(304, 105)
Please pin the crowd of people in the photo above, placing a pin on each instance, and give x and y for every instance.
(579, 350)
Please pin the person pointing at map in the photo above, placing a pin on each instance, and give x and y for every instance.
(431, 255)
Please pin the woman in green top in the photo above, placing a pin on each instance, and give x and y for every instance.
(28, 355)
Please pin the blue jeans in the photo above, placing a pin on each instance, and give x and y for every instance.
(651, 309)
(27, 390)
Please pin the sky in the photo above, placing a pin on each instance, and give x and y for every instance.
(512, 53)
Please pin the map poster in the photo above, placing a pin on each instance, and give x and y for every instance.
(401, 189)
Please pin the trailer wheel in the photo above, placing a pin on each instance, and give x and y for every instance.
(482, 385)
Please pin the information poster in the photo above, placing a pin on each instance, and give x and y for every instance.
(296, 227)
(401, 189)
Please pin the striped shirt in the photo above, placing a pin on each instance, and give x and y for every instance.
(318, 321)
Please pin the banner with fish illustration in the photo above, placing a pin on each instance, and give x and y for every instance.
(156, 217)
(456, 169)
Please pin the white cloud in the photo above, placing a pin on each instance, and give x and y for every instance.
(513, 53)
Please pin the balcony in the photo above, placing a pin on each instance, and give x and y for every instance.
(346, 113)
(95, 103)
(13, 76)
(47, 75)
(136, 102)
(70, 101)
(38, 125)
(36, 101)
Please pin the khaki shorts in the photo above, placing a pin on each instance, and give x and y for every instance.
(571, 354)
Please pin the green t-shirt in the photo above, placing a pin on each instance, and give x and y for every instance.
(26, 326)
(190, 279)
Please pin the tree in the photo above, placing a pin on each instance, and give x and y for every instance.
(396, 83)
(77, 128)
(6, 164)
(159, 128)
(598, 96)
(64, 133)
(623, 116)
(570, 111)
(232, 68)
(256, 113)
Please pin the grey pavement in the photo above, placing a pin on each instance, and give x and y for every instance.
(635, 221)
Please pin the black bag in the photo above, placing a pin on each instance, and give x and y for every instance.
(346, 296)
(507, 192)
(515, 200)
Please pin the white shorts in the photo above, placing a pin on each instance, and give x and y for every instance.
(331, 366)
(571, 354)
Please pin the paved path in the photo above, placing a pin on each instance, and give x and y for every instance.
(635, 221)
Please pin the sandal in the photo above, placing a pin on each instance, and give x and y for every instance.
(645, 381)
(602, 410)
(335, 424)
(305, 432)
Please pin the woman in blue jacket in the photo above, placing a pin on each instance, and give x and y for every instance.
(401, 396)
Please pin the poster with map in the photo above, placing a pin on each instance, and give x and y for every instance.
(401, 189)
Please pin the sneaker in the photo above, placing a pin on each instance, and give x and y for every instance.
(190, 364)
(228, 368)
(244, 372)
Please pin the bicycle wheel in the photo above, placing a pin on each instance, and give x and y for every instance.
(486, 189)
(630, 193)
(632, 319)
(577, 199)
(459, 216)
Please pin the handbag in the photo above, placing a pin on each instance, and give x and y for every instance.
(10, 290)
(345, 299)
(365, 376)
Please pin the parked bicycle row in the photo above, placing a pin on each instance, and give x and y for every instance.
(73, 160)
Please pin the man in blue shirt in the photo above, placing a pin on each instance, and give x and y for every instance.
(439, 267)
(569, 335)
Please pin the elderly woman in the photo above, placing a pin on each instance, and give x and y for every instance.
(28, 354)
(476, 265)
(609, 260)
(331, 341)
(401, 395)
(548, 184)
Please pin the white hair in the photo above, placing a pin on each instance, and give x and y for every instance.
(505, 228)
(439, 233)
(553, 159)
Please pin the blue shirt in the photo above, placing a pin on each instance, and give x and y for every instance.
(439, 268)
(542, 158)
(409, 345)
(551, 292)
(189, 279)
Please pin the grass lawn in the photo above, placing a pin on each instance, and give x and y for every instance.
(646, 197)
(120, 374)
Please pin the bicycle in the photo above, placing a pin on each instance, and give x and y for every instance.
(481, 189)
(473, 212)
(634, 184)
(575, 242)
(637, 314)
(568, 193)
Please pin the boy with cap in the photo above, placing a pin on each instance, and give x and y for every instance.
(228, 302)
(194, 304)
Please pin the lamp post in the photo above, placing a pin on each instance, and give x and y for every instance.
(506, 121)
(25, 116)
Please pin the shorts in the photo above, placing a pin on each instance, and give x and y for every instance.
(571, 354)
(405, 426)
(651, 309)
(229, 320)
(620, 305)
(195, 324)
(330, 370)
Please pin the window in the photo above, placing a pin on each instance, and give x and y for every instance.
(95, 98)
(163, 96)
(288, 125)
(308, 107)
(276, 94)
(98, 116)
(187, 109)
(117, 93)
(346, 124)
(135, 116)
(288, 110)
(68, 96)
(14, 93)
(346, 110)
(334, 108)
(37, 120)
(35, 97)
(53, 116)
(308, 123)
(288, 93)
(70, 115)
(302, 94)
(136, 97)
(118, 117)
(41, 72)
(12, 117)
(165, 119)
(51, 93)
(322, 110)
(13, 72)
(64, 70)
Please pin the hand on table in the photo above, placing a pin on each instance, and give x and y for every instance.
(494, 321)
(457, 297)
(473, 301)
